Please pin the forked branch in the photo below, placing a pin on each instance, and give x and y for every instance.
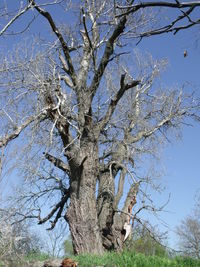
(114, 101)
(141, 5)
(109, 49)
(57, 162)
(9, 137)
(57, 208)
(19, 14)
(131, 198)
(65, 48)
(171, 27)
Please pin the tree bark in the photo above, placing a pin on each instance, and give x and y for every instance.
(82, 211)
(94, 224)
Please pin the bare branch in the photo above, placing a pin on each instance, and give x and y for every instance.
(131, 198)
(58, 207)
(19, 14)
(120, 188)
(86, 31)
(65, 48)
(113, 103)
(133, 8)
(170, 28)
(147, 133)
(106, 56)
(5, 140)
(57, 162)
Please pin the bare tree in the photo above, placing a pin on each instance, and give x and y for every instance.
(189, 236)
(147, 240)
(55, 240)
(16, 240)
(84, 117)
(189, 233)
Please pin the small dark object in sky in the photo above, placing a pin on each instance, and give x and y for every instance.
(185, 53)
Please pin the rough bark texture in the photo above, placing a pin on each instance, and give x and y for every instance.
(94, 223)
(96, 226)
(82, 211)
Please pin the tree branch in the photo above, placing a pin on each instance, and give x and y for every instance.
(65, 48)
(147, 133)
(133, 8)
(120, 188)
(86, 31)
(126, 212)
(170, 27)
(106, 56)
(5, 140)
(59, 206)
(20, 13)
(113, 103)
(57, 162)
(131, 198)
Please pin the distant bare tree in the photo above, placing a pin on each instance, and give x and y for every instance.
(16, 239)
(79, 112)
(189, 233)
(147, 240)
(55, 240)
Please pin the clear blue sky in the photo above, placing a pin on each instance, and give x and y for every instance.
(181, 159)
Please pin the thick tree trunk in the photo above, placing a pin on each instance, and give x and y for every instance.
(83, 224)
(82, 211)
(94, 224)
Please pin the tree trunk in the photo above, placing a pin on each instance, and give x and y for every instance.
(83, 224)
(82, 211)
(111, 222)
(94, 223)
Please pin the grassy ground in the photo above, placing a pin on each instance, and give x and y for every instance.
(36, 256)
(125, 259)
(130, 259)
(34, 259)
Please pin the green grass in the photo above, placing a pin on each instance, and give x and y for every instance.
(131, 259)
(36, 256)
